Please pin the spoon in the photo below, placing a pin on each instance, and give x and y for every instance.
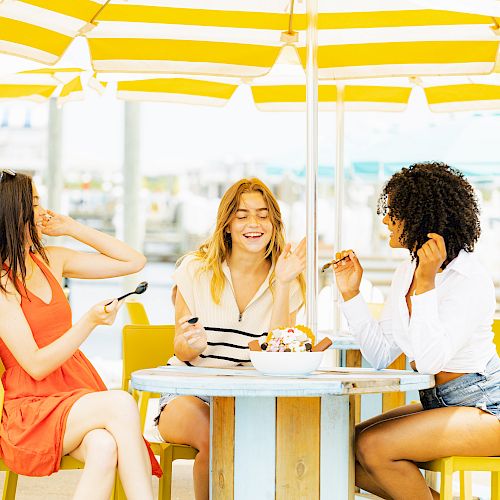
(141, 288)
(331, 263)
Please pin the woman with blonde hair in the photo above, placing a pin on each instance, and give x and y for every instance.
(241, 283)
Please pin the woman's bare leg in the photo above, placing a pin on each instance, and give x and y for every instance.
(388, 450)
(363, 479)
(117, 413)
(99, 453)
(186, 420)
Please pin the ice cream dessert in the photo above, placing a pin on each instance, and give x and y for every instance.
(296, 339)
(290, 339)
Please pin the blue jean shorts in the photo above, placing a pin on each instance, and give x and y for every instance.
(479, 390)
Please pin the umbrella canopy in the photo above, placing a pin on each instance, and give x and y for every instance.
(245, 38)
(42, 30)
(443, 94)
(71, 84)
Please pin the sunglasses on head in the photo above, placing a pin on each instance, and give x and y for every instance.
(6, 171)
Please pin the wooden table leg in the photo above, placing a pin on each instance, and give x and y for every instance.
(354, 359)
(297, 448)
(337, 448)
(243, 453)
(222, 451)
(286, 448)
(255, 448)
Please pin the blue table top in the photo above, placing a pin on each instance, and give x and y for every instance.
(243, 381)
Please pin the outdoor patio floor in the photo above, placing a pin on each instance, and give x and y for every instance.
(61, 486)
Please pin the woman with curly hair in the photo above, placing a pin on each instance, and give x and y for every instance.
(439, 313)
(241, 283)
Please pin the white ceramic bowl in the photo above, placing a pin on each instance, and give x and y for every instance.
(286, 363)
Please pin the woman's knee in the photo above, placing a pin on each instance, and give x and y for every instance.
(370, 452)
(202, 441)
(100, 449)
(121, 404)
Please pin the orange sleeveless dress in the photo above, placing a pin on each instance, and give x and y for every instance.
(35, 412)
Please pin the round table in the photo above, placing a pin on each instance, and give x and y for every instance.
(280, 438)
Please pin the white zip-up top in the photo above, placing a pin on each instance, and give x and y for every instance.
(449, 328)
(228, 331)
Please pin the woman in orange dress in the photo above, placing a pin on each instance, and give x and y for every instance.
(55, 402)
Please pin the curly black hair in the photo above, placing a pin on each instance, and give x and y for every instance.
(432, 197)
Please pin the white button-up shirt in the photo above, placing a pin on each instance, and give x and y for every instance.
(449, 328)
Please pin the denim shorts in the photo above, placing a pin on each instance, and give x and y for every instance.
(479, 390)
(167, 397)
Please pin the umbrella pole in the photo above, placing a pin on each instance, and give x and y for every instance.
(312, 163)
(339, 195)
(133, 231)
(54, 177)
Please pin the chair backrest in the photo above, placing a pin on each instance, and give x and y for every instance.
(137, 313)
(145, 346)
(496, 331)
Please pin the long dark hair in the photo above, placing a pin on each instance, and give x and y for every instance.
(17, 224)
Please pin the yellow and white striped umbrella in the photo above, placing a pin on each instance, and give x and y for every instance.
(470, 96)
(38, 85)
(358, 39)
(443, 94)
(356, 97)
(72, 84)
(245, 37)
(42, 30)
(26, 87)
(177, 90)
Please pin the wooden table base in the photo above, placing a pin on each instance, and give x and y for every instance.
(285, 448)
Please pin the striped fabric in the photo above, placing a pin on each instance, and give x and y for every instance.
(443, 94)
(42, 30)
(28, 87)
(228, 331)
(176, 90)
(245, 37)
(374, 97)
(463, 97)
(65, 84)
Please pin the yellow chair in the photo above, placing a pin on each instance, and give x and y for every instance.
(464, 465)
(145, 346)
(137, 313)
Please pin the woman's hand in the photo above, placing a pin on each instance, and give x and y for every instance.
(348, 274)
(291, 264)
(431, 256)
(194, 334)
(58, 225)
(102, 314)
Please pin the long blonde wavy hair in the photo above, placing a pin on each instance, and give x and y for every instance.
(214, 251)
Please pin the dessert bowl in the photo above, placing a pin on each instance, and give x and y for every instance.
(286, 363)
